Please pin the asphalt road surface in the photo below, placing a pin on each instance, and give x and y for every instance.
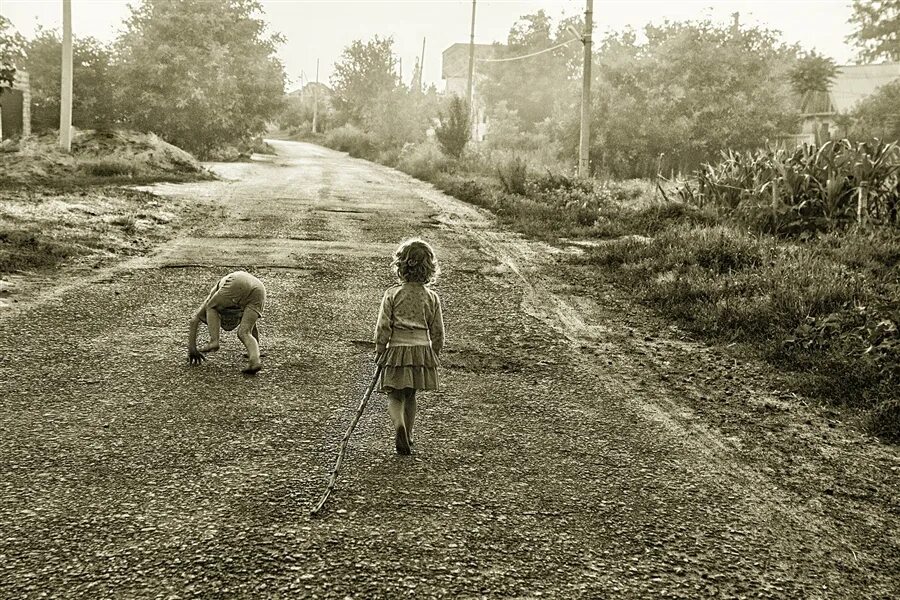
(560, 459)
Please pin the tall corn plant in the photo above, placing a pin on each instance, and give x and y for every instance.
(811, 187)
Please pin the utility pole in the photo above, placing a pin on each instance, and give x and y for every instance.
(471, 64)
(316, 100)
(584, 148)
(65, 102)
(422, 67)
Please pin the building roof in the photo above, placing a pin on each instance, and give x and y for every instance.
(856, 82)
(455, 59)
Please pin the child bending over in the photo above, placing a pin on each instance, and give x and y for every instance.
(409, 336)
(237, 300)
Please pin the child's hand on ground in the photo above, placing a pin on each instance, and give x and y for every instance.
(195, 357)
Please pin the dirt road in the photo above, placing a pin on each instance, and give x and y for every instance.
(579, 448)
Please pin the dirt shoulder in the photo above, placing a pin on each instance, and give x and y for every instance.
(579, 446)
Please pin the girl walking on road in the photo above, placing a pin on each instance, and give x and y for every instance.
(236, 301)
(409, 336)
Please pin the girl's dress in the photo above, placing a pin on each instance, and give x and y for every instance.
(409, 336)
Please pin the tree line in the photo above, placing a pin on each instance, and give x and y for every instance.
(202, 75)
(665, 99)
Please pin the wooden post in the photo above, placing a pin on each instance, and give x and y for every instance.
(65, 103)
(471, 71)
(584, 147)
(862, 205)
(774, 198)
(316, 101)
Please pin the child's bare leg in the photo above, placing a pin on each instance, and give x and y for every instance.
(255, 333)
(395, 409)
(244, 333)
(214, 322)
(409, 412)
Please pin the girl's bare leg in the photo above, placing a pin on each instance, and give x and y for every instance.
(409, 412)
(244, 333)
(396, 410)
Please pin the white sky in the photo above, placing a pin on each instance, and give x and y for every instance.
(321, 29)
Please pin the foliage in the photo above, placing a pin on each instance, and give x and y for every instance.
(423, 161)
(551, 76)
(810, 188)
(513, 176)
(352, 140)
(813, 73)
(453, 132)
(397, 117)
(365, 71)
(201, 74)
(691, 90)
(109, 167)
(878, 115)
(885, 420)
(12, 51)
(297, 110)
(877, 25)
(93, 99)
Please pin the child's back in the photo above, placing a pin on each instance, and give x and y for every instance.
(409, 336)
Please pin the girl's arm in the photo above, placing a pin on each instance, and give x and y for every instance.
(384, 324)
(436, 327)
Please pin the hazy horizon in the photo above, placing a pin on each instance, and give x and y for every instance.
(317, 29)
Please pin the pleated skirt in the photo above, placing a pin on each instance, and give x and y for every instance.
(413, 367)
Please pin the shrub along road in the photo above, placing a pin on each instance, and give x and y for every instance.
(578, 448)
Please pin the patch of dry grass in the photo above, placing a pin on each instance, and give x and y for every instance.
(42, 229)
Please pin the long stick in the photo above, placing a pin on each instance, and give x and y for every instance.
(343, 449)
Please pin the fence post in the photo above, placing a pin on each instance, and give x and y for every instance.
(774, 199)
(862, 208)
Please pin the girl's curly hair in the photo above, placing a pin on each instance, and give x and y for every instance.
(414, 262)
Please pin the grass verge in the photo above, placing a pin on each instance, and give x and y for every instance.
(824, 310)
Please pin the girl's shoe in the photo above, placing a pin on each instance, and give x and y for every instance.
(401, 441)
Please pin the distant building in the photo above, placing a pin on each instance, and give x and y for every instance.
(455, 73)
(822, 112)
(15, 107)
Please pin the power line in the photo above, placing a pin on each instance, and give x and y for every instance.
(526, 55)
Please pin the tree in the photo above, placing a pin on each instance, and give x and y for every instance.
(364, 72)
(93, 102)
(201, 74)
(297, 111)
(877, 32)
(12, 46)
(691, 90)
(453, 133)
(533, 87)
(878, 116)
(813, 73)
(397, 117)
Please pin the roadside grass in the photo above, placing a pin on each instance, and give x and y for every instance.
(44, 228)
(97, 158)
(824, 310)
(58, 208)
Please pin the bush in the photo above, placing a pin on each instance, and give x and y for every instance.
(353, 141)
(513, 176)
(109, 167)
(453, 133)
(885, 420)
(423, 161)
